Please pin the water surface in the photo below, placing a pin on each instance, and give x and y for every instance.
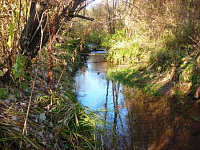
(139, 121)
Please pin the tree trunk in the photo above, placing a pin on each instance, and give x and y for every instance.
(30, 39)
(44, 21)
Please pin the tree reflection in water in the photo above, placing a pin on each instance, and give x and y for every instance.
(136, 120)
(154, 123)
(116, 121)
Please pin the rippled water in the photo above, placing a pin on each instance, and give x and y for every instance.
(139, 121)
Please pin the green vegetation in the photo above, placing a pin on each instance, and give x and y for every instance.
(55, 119)
(19, 67)
(160, 58)
(66, 125)
(122, 50)
(136, 78)
(95, 37)
(155, 42)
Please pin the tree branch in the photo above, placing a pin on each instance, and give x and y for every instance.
(83, 17)
(87, 3)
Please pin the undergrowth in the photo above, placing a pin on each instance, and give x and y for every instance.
(56, 119)
(174, 64)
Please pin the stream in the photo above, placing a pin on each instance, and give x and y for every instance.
(136, 120)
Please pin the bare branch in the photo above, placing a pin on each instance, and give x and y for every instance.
(85, 5)
(84, 17)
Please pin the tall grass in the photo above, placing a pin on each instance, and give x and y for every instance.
(56, 119)
(66, 125)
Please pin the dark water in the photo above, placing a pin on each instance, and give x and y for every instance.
(139, 122)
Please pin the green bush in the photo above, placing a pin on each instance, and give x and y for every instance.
(125, 53)
(95, 37)
(111, 39)
(72, 44)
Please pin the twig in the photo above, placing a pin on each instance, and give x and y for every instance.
(61, 75)
(193, 40)
(28, 109)
(83, 17)
(32, 90)
(20, 9)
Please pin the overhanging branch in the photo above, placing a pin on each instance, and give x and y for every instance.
(84, 17)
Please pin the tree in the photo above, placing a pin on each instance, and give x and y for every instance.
(111, 15)
(45, 19)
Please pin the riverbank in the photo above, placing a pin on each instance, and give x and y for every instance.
(167, 67)
(158, 87)
(136, 118)
(173, 81)
(34, 117)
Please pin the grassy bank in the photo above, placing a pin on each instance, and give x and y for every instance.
(170, 68)
(138, 79)
(32, 117)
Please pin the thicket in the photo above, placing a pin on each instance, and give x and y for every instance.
(159, 38)
(13, 15)
(33, 114)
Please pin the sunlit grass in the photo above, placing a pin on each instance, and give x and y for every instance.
(56, 119)
(66, 124)
(132, 77)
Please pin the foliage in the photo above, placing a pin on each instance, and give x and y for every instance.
(74, 127)
(80, 129)
(13, 15)
(125, 53)
(123, 50)
(161, 39)
(112, 39)
(73, 44)
(3, 93)
(95, 37)
(19, 67)
(161, 60)
(67, 126)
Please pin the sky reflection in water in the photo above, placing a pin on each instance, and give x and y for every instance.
(141, 122)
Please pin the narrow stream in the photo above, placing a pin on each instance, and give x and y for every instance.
(137, 120)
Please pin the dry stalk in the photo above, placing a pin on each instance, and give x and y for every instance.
(28, 109)
(32, 90)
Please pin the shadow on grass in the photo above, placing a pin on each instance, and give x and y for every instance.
(177, 59)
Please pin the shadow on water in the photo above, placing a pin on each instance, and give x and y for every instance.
(137, 121)
(158, 123)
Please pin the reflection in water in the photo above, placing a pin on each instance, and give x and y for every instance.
(155, 123)
(138, 121)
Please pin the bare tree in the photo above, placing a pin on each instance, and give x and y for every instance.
(45, 19)
(111, 15)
